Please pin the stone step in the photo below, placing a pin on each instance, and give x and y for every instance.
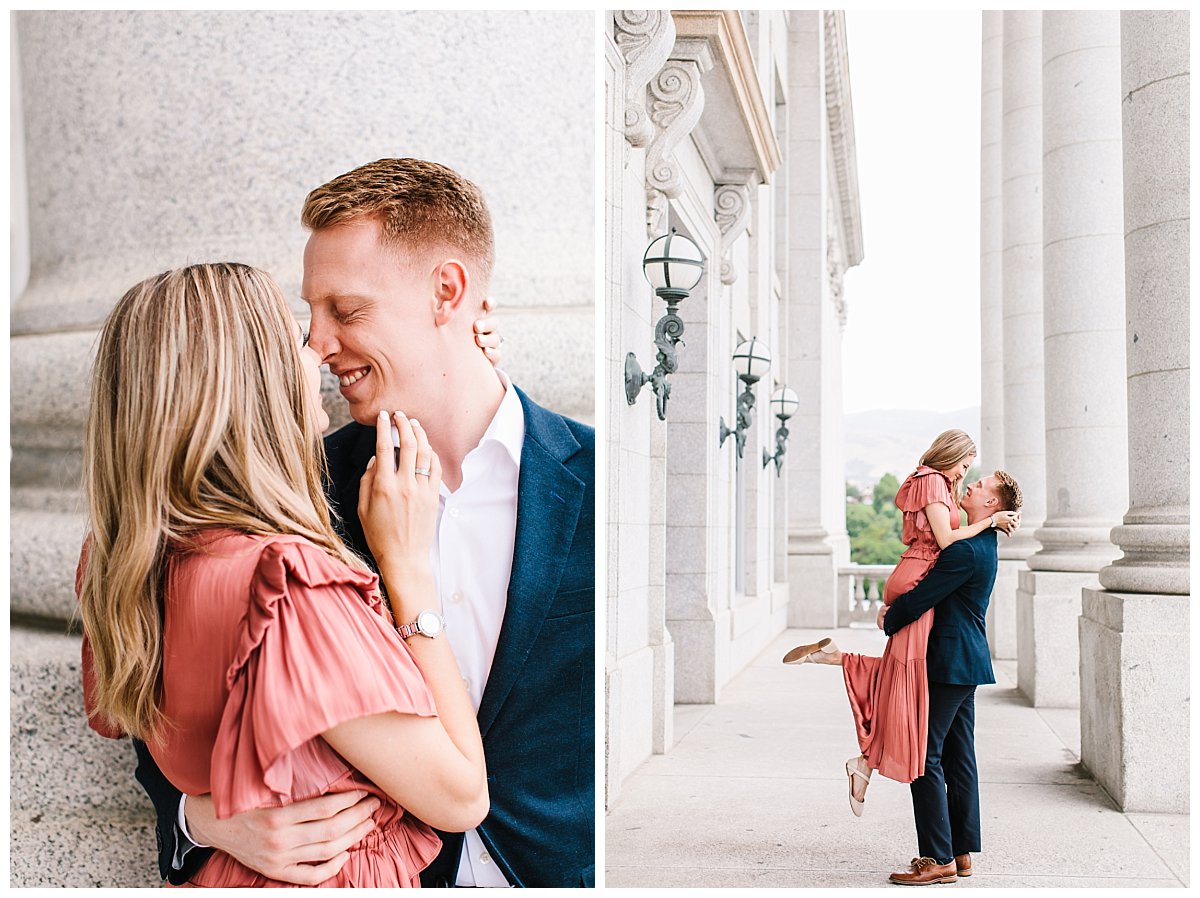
(46, 534)
(81, 848)
(78, 817)
(56, 759)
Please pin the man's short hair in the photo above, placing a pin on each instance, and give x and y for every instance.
(418, 204)
(1008, 491)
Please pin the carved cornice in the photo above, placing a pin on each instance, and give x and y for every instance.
(734, 89)
(840, 112)
(645, 38)
(732, 204)
(676, 102)
(834, 269)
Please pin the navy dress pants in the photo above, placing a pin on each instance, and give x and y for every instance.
(946, 797)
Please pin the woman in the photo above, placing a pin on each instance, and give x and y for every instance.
(889, 696)
(226, 624)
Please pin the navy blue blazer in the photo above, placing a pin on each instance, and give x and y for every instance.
(960, 586)
(537, 713)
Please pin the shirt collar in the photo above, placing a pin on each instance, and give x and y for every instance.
(508, 424)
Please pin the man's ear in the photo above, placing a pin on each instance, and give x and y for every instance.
(993, 500)
(450, 284)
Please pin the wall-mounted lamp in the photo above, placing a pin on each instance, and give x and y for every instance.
(673, 265)
(751, 360)
(784, 403)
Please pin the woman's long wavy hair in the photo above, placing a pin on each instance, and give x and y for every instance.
(199, 418)
(948, 451)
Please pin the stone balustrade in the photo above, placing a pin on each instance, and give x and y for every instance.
(860, 593)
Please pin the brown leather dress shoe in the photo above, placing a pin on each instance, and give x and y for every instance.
(963, 863)
(925, 871)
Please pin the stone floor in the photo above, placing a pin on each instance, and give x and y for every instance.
(754, 794)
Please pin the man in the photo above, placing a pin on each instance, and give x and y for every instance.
(946, 797)
(395, 271)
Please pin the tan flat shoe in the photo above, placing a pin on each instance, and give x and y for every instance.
(853, 770)
(802, 653)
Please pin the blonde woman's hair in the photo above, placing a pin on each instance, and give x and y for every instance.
(199, 418)
(948, 450)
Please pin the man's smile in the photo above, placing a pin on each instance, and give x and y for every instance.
(352, 376)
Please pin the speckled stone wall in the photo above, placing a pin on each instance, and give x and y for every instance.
(158, 139)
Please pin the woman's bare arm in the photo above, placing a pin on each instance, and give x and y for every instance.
(432, 766)
(939, 521)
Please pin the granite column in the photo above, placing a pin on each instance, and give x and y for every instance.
(1021, 276)
(1133, 634)
(1083, 320)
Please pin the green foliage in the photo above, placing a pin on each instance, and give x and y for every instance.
(853, 492)
(858, 518)
(884, 494)
(875, 529)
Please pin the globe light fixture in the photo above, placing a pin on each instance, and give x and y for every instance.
(673, 265)
(784, 403)
(751, 361)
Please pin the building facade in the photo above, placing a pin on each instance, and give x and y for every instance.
(1085, 352)
(735, 130)
(149, 140)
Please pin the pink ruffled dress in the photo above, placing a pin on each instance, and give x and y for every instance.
(889, 696)
(269, 642)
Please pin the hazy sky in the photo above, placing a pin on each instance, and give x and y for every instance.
(912, 334)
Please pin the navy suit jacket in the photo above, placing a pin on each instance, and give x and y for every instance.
(960, 586)
(537, 714)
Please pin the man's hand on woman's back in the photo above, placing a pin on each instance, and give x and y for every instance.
(304, 843)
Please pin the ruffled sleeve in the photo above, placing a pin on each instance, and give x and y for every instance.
(923, 487)
(318, 649)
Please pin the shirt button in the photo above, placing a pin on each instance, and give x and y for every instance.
(453, 512)
(456, 597)
(485, 858)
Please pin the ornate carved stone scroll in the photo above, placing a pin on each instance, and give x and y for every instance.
(732, 202)
(835, 267)
(676, 101)
(645, 38)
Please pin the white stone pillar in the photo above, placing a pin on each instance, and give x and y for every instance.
(1134, 646)
(812, 565)
(18, 199)
(991, 297)
(696, 605)
(639, 655)
(1084, 322)
(1021, 265)
(991, 282)
(699, 551)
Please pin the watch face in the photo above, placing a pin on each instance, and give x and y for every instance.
(429, 623)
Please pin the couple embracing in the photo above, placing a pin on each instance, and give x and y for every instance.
(914, 707)
(367, 661)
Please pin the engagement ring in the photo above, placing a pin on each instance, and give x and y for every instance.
(422, 472)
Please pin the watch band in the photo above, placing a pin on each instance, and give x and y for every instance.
(407, 630)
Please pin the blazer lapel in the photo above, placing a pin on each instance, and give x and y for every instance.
(548, 506)
(346, 480)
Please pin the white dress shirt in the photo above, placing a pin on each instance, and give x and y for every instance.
(472, 563)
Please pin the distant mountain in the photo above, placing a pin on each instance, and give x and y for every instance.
(890, 441)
